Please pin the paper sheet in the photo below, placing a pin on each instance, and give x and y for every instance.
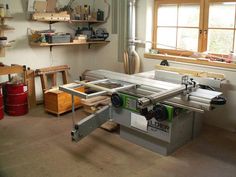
(138, 122)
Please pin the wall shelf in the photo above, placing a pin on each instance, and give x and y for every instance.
(67, 44)
(89, 43)
(70, 21)
(50, 21)
(6, 28)
(86, 21)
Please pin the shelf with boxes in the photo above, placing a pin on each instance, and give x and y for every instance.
(83, 36)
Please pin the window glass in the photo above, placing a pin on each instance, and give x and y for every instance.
(178, 26)
(187, 39)
(189, 15)
(221, 15)
(166, 38)
(220, 41)
(167, 15)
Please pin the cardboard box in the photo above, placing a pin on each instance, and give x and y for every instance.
(58, 102)
(40, 6)
(51, 5)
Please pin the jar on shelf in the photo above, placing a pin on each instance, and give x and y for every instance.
(8, 13)
(3, 41)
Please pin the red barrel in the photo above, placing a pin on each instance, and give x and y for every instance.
(1, 105)
(16, 103)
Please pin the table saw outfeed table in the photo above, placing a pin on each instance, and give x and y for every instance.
(158, 115)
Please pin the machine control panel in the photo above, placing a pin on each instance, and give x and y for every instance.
(130, 103)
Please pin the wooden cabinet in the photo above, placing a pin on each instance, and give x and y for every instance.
(3, 28)
(58, 102)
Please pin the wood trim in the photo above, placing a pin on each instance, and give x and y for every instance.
(175, 52)
(217, 28)
(234, 30)
(155, 20)
(190, 60)
(203, 21)
(201, 27)
(210, 1)
(176, 1)
(191, 27)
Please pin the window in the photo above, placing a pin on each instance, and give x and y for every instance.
(195, 25)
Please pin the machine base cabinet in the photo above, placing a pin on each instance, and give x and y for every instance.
(161, 137)
(59, 102)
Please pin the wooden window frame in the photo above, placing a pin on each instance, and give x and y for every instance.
(203, 25)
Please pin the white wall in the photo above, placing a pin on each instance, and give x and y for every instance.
(79, 58)
(105, 57)
(223, 117)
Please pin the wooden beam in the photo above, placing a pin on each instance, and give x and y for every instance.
(4, 70)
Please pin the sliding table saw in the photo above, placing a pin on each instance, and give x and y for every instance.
(156, 114)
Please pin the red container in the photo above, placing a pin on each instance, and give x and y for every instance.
(1, 113)
(16, 101)
(15, 88)
(17, 110)
(17, 98)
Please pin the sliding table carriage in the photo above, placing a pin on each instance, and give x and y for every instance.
(156, 114)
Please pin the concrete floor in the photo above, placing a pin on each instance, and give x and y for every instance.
(39, 145)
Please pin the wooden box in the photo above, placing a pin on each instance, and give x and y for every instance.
(58, 102)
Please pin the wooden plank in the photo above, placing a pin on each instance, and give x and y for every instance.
(191, 60)
(67, 44)
(4, 70)
(191, 72)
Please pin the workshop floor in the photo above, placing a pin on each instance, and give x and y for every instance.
(39, 145)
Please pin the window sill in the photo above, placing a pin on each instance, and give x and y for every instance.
(190, 60)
